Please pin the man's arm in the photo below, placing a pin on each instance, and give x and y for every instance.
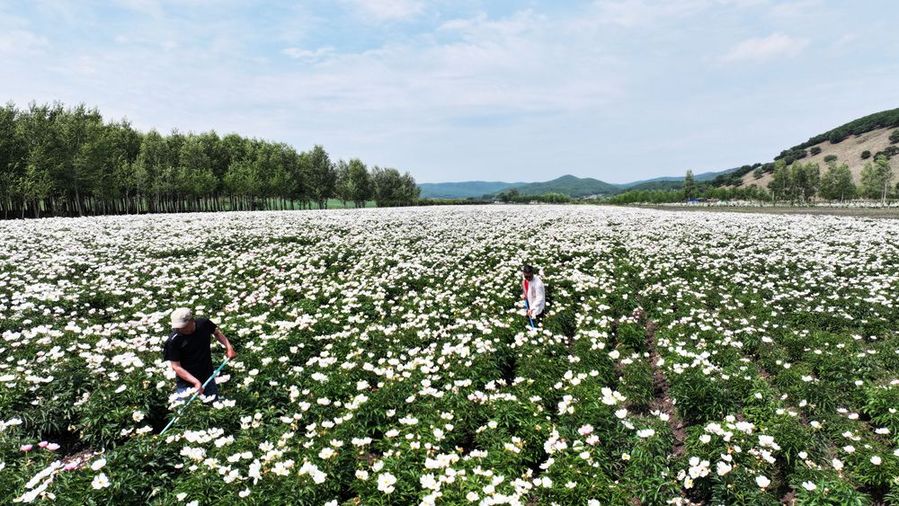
(186, 376)
(229, 350)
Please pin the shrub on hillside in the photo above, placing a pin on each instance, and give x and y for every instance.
(830, 158)
(894, 137)
(837, 136)
(866, 154)
(815, 150)
(889, 152)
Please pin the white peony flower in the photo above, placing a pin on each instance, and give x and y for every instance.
(100, 481)
(386, 482)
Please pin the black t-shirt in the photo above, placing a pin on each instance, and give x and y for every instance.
(192, 350)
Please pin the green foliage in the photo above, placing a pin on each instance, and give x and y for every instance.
(392, 188)
(866, 154)
(836, 183)
(781, 182)
(876, 178)
(689, 186)
(797, 183)
(69, 162)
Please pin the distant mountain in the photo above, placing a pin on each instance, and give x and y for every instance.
(664, 181)
(569, 185)
(854, 143)
(462, 190)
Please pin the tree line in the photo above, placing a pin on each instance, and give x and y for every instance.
(796, 183)
(58, 161)
(801, 182)
(704, 191)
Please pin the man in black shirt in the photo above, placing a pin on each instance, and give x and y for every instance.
(188, 351)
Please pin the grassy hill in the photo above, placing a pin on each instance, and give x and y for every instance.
(854, 143)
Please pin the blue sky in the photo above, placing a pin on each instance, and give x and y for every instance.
(458, 90)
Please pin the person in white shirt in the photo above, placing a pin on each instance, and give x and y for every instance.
(533, 292)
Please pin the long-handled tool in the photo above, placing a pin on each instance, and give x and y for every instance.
(194, 396)
(527, 308)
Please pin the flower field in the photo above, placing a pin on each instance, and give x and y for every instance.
(384, 358)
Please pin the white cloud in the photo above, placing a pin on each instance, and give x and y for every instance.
(22, 42)
(308, 55)
(632, 13)
(762, 49)
(533, 89)
(386, 10)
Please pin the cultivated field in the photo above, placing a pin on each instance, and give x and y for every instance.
(384, 358)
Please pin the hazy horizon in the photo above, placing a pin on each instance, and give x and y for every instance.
(616, 90)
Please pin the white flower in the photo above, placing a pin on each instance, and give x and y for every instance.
(837, 464)
(100, 481)
(137, 416)
(762, 481)
(386, 482)
(723, 468)
(875, 460)
(766, 440)
(645, 433)
(809, 486)
(429, 482)
(98, 464)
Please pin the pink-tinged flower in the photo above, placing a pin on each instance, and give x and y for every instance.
(26, 448)
(71, 466)
(52, 447)
(43, 444)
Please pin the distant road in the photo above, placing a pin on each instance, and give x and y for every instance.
(891, 213)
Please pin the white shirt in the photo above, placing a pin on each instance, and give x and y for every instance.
(536, 295)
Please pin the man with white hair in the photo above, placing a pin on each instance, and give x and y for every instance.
(188, 351)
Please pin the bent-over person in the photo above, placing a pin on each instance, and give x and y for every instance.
(188, 351)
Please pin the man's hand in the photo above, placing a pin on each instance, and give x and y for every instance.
(230, 353)
(530, 313)
(199, 388)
